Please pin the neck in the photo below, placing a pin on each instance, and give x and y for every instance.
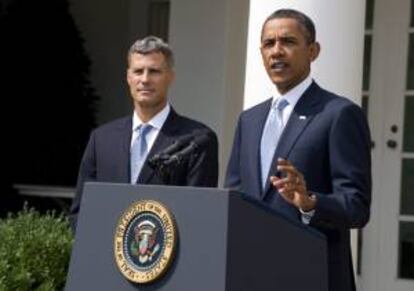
(147, 113)
(287, 87)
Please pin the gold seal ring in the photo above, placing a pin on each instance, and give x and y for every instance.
(145, 241)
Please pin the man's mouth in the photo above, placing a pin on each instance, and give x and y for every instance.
(278, 66)
(145, 90)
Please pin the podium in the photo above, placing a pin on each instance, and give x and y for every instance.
(225, 243)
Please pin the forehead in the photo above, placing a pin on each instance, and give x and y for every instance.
(150, 59)
(282, 27)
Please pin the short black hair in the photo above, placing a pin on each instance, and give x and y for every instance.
(301, 18)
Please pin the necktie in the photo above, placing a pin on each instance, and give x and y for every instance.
(270, 137)
(139, 151)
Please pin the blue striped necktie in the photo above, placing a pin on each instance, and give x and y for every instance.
(139, 151)
(270, 137)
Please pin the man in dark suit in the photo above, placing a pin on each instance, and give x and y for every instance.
(306, 152)
(119, 150)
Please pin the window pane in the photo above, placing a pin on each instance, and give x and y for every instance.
(367, 62)
(369, 14)
(407, 187)
(406, 253)
(410, 63)
(408, 145)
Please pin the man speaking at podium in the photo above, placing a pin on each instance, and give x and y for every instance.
(306, 151)
(119, 151)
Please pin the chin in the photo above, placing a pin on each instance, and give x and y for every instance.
(283, 87)
(280, 83)
(145, 98)
(279, 78)
(150, 104)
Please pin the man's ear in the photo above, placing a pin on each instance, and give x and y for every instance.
(128, 75)
(315, 49)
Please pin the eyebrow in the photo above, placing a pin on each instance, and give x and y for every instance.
(283, 38)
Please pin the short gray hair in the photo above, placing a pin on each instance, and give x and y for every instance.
(152, 44)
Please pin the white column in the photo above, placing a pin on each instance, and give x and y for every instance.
(209, 40)
(339, 30)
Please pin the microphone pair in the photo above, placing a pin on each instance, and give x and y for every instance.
(180, 149)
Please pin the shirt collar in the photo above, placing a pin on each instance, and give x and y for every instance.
(157, 121)
(294, 94)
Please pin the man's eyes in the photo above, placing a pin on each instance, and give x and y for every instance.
(281, 41)
(150, 71)
(289, 41)
(268, 43)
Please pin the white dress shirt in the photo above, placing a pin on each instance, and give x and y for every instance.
(293, 96)
(156, 122)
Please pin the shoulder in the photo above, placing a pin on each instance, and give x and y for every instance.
(114, 126)
(331, 97)
(334, 103)
(257, 110)
(179, 125)
(185, 124)
(340, 111)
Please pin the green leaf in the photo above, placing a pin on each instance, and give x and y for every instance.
(34, 251)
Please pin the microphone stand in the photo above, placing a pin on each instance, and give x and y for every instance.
(164, 163)
(161, 169)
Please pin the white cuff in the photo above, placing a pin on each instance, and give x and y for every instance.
(307, 215)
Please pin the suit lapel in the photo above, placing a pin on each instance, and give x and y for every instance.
(256, 127)
(300, 118)
(165, 137)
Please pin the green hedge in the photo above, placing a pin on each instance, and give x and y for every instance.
(34, 251)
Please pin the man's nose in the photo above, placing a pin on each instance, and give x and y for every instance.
(277, 49)
(145, 76)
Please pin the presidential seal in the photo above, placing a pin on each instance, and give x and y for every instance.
(145, 241)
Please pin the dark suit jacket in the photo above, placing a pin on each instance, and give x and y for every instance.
(327, 139)
(107, 157)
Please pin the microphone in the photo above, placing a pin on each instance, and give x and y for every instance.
(174, 147)
(197, 143)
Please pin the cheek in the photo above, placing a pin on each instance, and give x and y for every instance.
(307, 56)
(299, 59)
(130, 80)
(264, 58)
(267, 61)
(167, 83)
